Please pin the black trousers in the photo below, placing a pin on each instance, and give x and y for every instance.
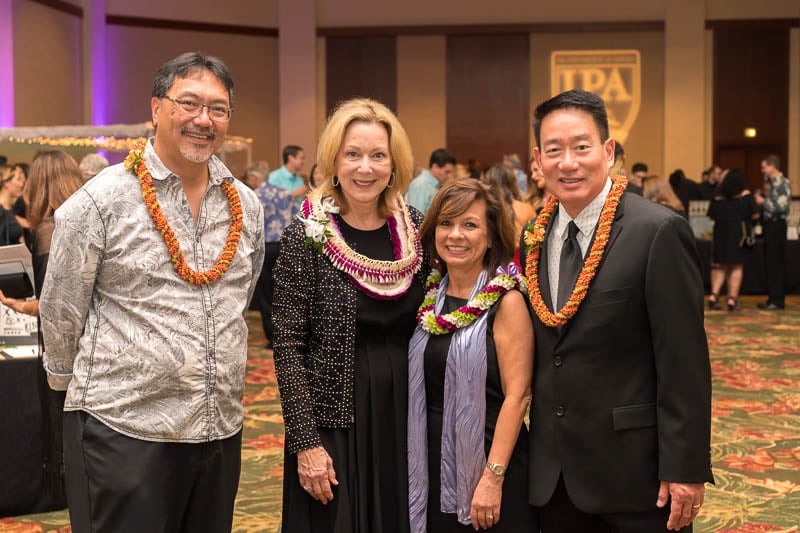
(265, 288)
(560, 515)
(775, 253)
(117, 484)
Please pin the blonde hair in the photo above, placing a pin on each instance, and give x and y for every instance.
(52, 178)
(330, 142)
(658, 190)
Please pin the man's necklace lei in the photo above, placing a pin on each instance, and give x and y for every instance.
(473, 309)
(383, 280)
(534, 239)
(135, 162)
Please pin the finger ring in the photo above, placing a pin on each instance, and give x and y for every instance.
(307, 487)
(698, 506)
(490, 517)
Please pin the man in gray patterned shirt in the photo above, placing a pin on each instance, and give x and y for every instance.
(146, 332)
(776, 203)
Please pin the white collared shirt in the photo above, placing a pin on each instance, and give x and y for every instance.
(586, 222)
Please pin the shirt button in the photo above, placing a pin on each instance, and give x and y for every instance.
(560, 410)
(557, 360)
(208, 314)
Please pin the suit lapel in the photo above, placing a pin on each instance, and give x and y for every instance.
(616, 228)
(544, 270)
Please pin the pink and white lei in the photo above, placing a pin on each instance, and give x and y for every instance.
(383, 280)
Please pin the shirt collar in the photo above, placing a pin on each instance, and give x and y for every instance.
(587, 218)
(217, 171)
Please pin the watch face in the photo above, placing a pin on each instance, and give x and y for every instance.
(497, 469)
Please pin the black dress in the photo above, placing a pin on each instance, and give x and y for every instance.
(370, 457)
(516, 515)
(728, 216)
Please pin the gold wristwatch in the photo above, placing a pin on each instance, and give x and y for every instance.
(497, 469)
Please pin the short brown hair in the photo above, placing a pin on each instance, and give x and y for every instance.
(452, 200)
(53, 177)
(330, 142)
(773, 160)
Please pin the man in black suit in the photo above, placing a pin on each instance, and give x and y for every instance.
(621, 409)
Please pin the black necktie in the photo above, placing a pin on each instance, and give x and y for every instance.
(570, 265)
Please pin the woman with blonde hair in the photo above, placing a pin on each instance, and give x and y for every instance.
(658, 190)
(348, 282)
(52, 178)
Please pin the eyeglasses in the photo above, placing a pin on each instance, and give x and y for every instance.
(190, 108)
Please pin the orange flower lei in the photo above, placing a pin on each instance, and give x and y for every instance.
(534, 239)
(135, 162)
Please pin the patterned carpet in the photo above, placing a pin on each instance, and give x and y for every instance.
(756, 434)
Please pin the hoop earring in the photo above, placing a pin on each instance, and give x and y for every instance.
(335, 181)
(392, 181)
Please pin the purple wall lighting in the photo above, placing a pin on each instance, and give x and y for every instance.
(6, 65)
(97, 34)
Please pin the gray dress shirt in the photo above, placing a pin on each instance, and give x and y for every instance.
(150, 355)
(586, 221)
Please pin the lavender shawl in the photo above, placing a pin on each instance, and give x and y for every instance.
(463, 423)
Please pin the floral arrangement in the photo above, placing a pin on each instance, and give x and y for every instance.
(316, 228)
(135, 162)
(465, 315)
(534, 239)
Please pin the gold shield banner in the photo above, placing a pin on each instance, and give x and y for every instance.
(614, 75)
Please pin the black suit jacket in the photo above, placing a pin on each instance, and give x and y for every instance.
(622, 392)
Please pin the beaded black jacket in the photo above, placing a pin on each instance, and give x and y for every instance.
(314, 311)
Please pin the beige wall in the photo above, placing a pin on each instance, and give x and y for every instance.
(421, 94)
(684, 90)
(645, 139)
(297, 78)
(262, 13)
(130, 77)
(321, 92)
(437, 13)
(794, 112)
(47, 65)
(332, 13)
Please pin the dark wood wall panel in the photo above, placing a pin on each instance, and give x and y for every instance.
(751, 89)
(361, 66)
(488, 97)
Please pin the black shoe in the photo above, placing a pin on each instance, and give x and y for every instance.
(733, 304)
(770, 306)
(713, 301)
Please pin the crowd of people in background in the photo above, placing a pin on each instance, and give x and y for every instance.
(525, 193)
(740, 215)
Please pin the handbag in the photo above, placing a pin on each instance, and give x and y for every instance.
(748, 239)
